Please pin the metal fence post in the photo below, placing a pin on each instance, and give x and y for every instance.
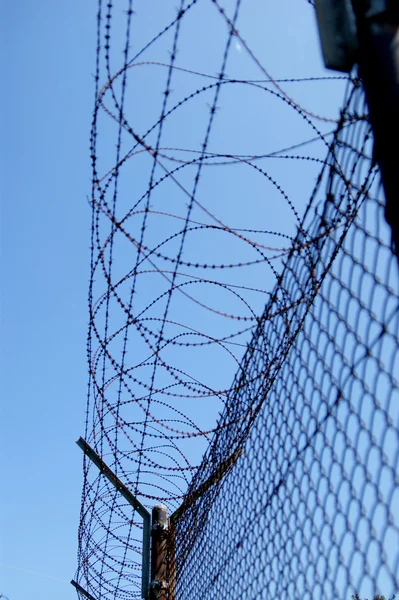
(367, 32)
(172, 559)
(159, 532)
(378, 33)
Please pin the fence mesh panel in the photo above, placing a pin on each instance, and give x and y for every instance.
(310, 506)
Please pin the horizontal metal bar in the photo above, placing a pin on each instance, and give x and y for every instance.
(116, 482)
(82, 591)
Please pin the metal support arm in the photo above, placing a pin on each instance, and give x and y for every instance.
(134, 502)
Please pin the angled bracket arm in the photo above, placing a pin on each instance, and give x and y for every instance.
(134, 502)
(216, 477)
(82, 590)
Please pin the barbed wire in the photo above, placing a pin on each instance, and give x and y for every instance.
(242, 303)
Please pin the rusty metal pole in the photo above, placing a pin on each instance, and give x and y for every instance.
(159, 531)
(172, 559)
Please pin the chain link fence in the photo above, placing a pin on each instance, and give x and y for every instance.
(310, 505)
(244, 319)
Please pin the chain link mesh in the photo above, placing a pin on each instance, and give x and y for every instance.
(310, 507)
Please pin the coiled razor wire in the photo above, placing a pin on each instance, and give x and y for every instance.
(243, 301)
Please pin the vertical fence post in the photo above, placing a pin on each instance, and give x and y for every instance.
(133, 501)
(367, 32)
(378, 32)
(172, 559)
(159, 532)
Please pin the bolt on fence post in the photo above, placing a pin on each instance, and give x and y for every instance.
(159, 532)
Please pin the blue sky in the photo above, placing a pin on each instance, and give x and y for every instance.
(48, 54)
(48, 51)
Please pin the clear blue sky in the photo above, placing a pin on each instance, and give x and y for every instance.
(48, 52)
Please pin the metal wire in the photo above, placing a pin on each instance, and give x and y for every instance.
(243, 359)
